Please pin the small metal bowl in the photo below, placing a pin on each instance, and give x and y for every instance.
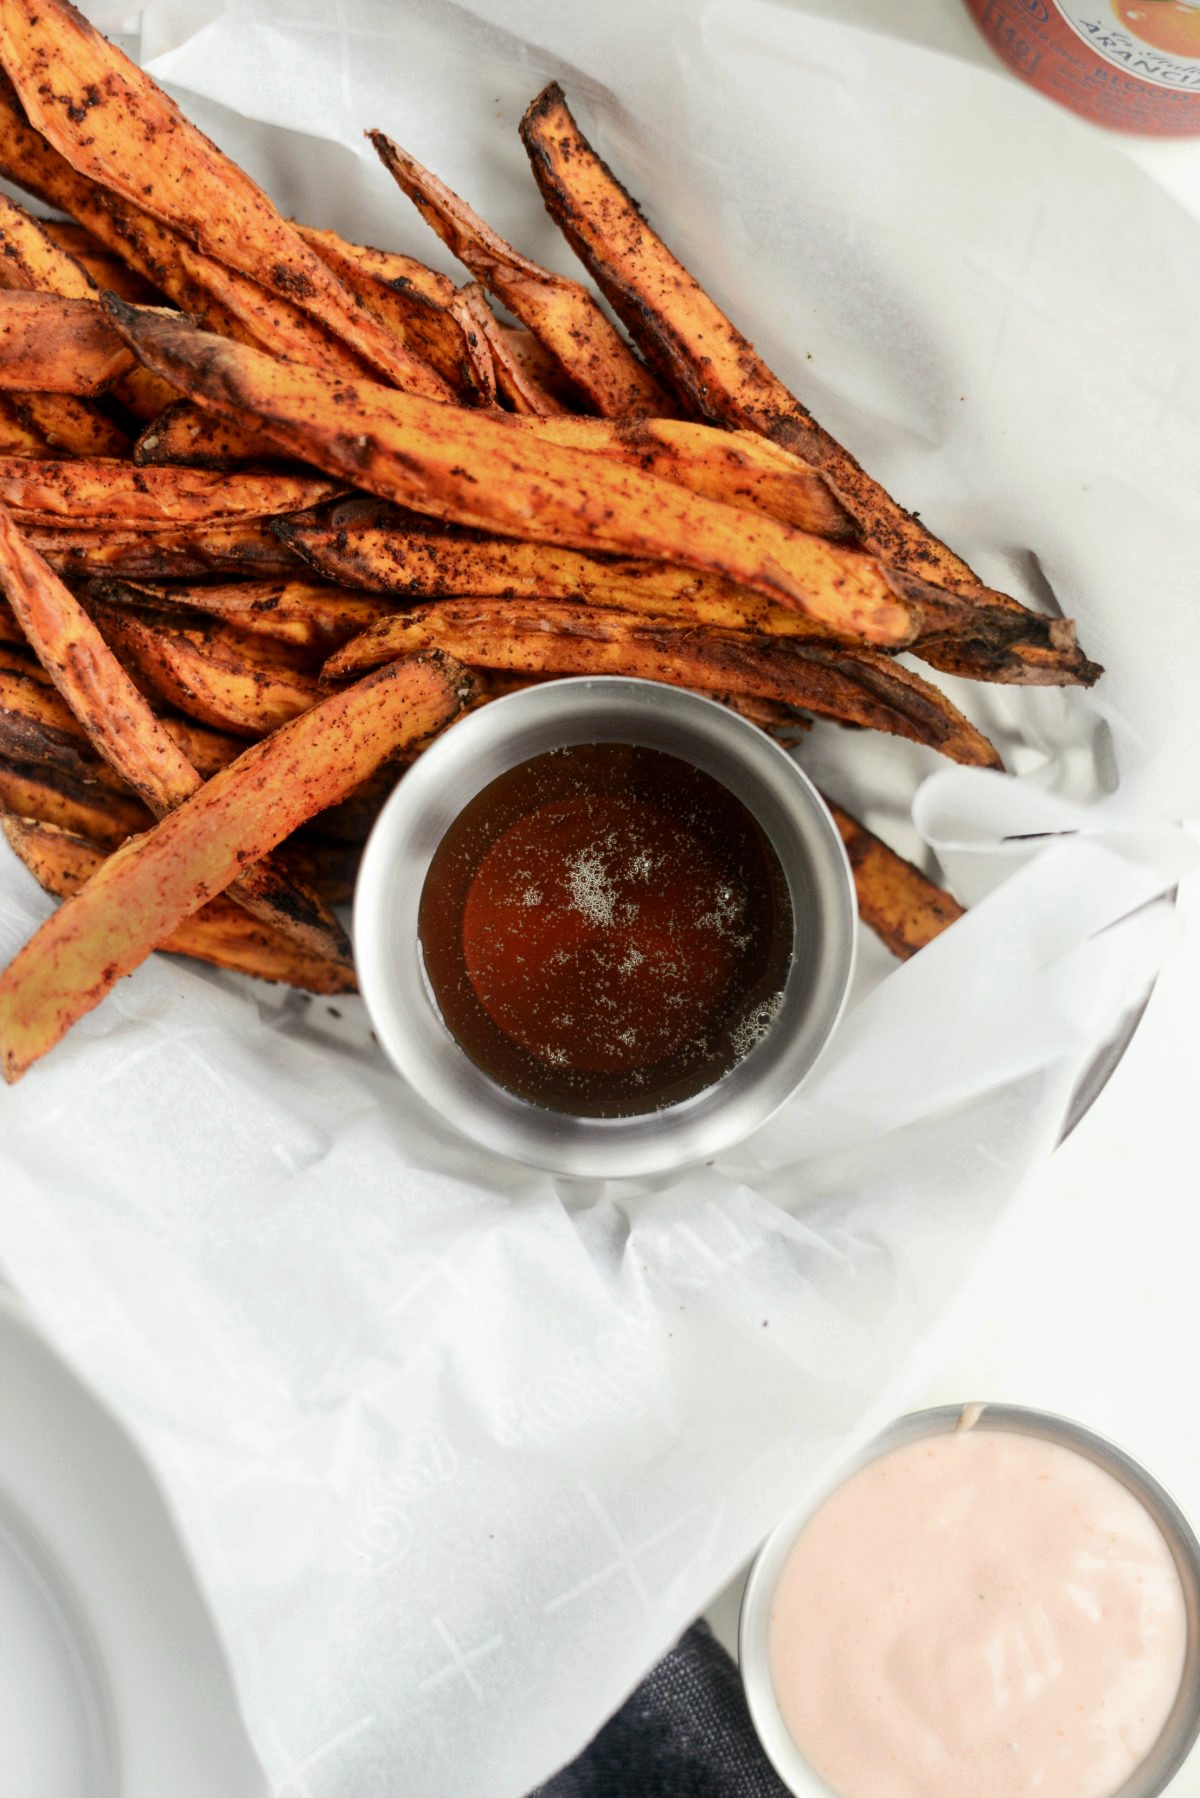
(508, 732)
(1182, 1726)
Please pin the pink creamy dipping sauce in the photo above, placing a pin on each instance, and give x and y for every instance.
(978, 1614)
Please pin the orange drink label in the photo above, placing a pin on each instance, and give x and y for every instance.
(1133, 65)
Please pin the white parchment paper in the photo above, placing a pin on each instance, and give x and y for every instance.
(458, 1450)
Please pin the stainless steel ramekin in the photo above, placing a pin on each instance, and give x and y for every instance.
(1182, 1727)
(507, 732)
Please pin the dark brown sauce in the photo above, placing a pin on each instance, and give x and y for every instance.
(606, 930)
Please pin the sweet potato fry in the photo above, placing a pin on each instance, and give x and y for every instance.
(329, 868)
(531, 389)
(51, 345)
(150, 885)
(221, 297)
(540, 366)
(403, 275)
(431, 457)
(183, 433)
(94, 493)
(852, 686)
(37, 727)
(35, 257)
(107, 270)
(19, 435)
(31, 259)
(249, 546)
(714, 367)
(308, 618)
(372, 547)
(220, 932)
(123, 729)
(560, 313)
(738, 467)
(415, 303)
(115, 125)
(469, 310)
(68, 426)
(901, 905)
(209, 674)
(40, 790)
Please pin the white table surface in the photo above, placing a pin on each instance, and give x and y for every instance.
(1097, 1313)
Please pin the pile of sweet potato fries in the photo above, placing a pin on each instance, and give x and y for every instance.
(276, 507)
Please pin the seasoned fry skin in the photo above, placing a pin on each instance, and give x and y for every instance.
(515, 381)
(901, 905)
(373, 547)
(715, 368)
(248, 546)
(115, 125)
(124, 730)
(209, 673)
(853, 686)
(90, 494)
(148, 887)
(559, 312)
(19, 435)
(220, 933)
(421, 454)
(40, 790)
(52, 345)
(38, 727)
(220, 297)
(181, 432)
(737, 467)
(107, 270)
(415, 302)
(295, 613)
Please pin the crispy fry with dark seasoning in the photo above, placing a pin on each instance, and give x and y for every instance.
(52, 345)
(208, 672)
(148, 887)
(114, 124)
(220, 297)
(30, 258)
(220, 933)
(373, 547)
(297, 613)
(560, 313)
(686, 336)
(415, 302)
(41, 790)
(90, 494)
(248, 546)
(19, 435)
(124, 730)
(901, 905)
(852, 686)
(181, 432)
(422, 454)
(38, 727)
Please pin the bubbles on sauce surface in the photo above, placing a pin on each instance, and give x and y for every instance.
(606, 930)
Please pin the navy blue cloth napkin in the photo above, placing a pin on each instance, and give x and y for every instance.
(685, 1733)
